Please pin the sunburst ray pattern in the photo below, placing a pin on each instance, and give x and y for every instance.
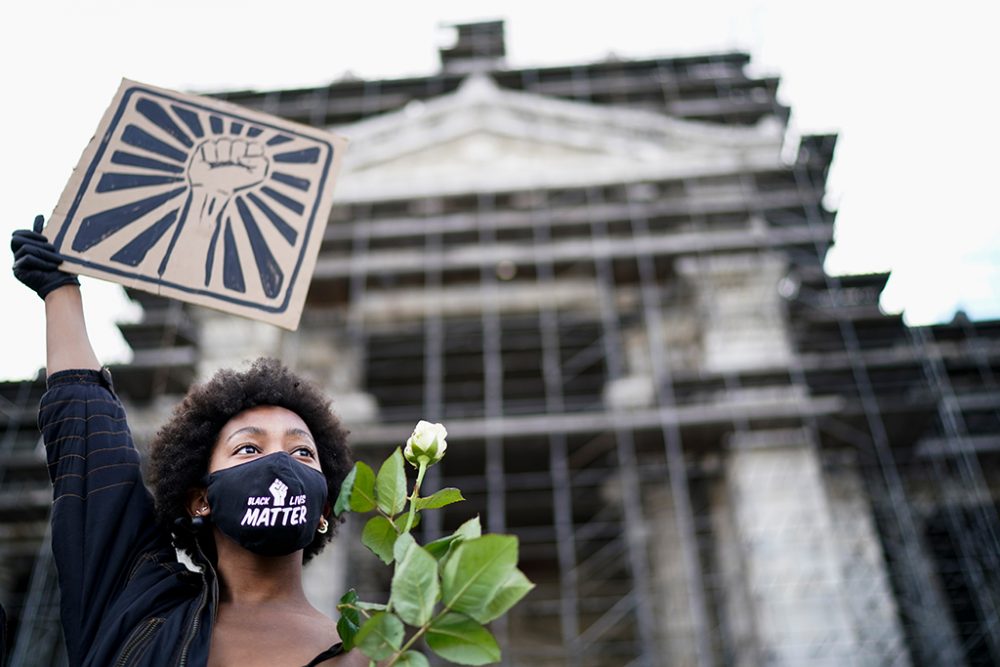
(197, 199)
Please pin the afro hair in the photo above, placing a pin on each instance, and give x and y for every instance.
(181, 449)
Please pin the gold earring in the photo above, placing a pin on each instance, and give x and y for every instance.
(324, 526)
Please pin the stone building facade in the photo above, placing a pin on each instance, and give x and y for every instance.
(607, 280)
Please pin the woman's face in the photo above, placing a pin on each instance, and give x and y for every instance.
(260, 431)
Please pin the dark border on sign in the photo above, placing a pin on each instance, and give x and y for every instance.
(113, 125)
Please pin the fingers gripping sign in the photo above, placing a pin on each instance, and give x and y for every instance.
(36, 262)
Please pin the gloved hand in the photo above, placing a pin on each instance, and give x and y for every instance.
(36, 262)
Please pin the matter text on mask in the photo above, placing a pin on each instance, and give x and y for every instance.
(274, 516)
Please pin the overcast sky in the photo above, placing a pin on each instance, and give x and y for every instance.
(908, 86)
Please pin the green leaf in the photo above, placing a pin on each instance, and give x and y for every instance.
(467, 531)
(343, 503)
(458, 638)
(415, 588)
(390, 485)
(357, 492)
(439, 499)
(362, 497)
(380, 636)
(402, 545)
(470, 529)
(400, 521)
(379, 535)
(515, 587)
(350, 619)
(412, 659)
(439, 547)
(476, 570)
(349, 598)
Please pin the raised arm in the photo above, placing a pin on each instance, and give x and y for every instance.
(102, 515)
(67, 345)
(36, 264)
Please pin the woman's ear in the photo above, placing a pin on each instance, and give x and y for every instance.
(197, 504)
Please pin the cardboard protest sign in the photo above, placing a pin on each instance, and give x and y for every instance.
(200, 200)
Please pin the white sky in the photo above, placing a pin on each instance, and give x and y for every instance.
(909, 87)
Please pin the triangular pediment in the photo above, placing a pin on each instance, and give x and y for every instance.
(485, 137)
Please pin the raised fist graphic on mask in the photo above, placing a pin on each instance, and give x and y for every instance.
(278, 489)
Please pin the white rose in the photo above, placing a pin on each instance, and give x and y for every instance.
(427, 444)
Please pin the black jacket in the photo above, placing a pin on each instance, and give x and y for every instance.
(126, 600)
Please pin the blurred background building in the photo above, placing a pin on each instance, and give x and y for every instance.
(607, 280)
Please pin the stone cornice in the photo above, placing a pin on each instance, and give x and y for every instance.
(483, 136)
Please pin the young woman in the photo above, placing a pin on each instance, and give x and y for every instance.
(245, 473)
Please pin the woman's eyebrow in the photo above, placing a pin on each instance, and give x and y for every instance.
(252, 430)
(301, 433)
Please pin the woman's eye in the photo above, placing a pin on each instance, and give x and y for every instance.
(305, 451)
(246, 449)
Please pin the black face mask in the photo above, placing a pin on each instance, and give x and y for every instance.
(270, 506)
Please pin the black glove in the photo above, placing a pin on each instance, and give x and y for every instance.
(36, 262)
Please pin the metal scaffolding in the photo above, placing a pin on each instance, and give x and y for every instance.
(574, 340)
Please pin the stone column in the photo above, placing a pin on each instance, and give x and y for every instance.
(681, 330)
(867, 590)
(789, 553)
(328, 357)
(320, 353)
(675, 628)
(737, 629)
(227, 341)
(737, 303)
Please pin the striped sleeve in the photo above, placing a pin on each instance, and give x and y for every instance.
(102, 514)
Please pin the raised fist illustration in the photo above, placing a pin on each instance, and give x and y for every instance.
(224, 166)
(278, 489)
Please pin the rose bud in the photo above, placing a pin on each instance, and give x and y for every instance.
(427, 444)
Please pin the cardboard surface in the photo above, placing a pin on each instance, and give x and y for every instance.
(200, 200)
